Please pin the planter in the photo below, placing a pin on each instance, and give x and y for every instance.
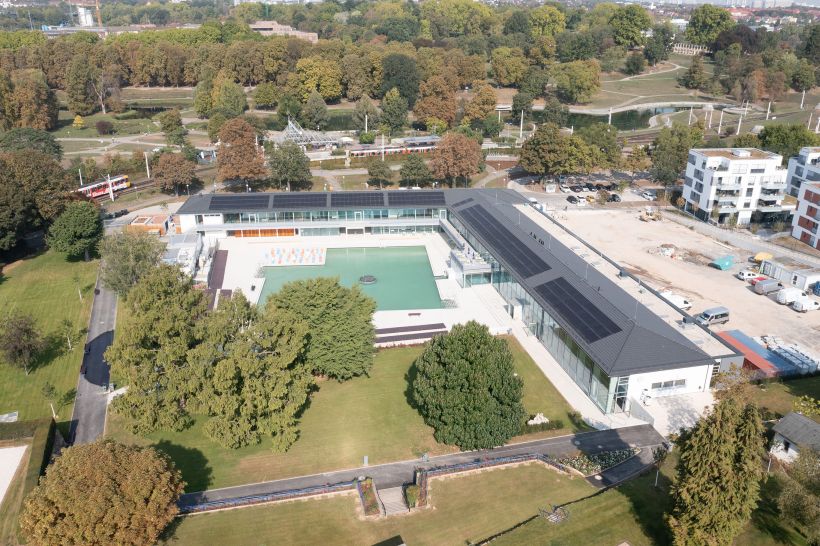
(597, 463)
(367, 495)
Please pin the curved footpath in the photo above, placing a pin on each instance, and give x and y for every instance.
(396, 474)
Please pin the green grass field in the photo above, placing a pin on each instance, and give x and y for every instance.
(778, 397)
(13, 500)
(464, 509)
(343, 423)
(136, 126)
(44, 288)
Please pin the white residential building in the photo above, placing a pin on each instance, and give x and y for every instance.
(726, 183)
(804, 167)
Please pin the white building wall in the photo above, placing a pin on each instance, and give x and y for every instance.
(783, 449)
(696, 380)
(803, 167)
(187, 222)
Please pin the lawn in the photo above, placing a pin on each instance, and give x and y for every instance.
(44, 287)
(778, 397)
(13, 501)
(343, 423)
(464, 509)
(136, 126)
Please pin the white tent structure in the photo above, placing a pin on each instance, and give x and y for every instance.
(304, 137)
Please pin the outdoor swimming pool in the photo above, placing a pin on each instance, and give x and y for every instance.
(404, 278)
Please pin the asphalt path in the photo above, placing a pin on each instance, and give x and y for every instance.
(398, 473)
(88, 419)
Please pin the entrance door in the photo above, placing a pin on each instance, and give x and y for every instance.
(357, 215)
(253, 217)
(442, 214)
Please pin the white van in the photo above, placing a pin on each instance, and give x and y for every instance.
(790, 295)
(804, 305)
(768, 286)
(746, 274)
(676, 300)
(715, 315)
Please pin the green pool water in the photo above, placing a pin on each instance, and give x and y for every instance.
(404, 276)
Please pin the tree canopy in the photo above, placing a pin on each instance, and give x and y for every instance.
(126, 258)
(455, 159)
(290, 168)
(339, 319)
(549, 152)
(77, 231)
(706, 22)
(465, 387)
(414, 172)
(103, 493)
(20, 340)
(31, 139)
(173, 171)
(671, 150)
(239, 158)
(787, 139)
(629, 23)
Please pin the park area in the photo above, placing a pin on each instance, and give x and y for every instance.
(365, 416)
(46, 288)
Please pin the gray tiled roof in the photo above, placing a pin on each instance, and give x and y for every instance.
(799, 430)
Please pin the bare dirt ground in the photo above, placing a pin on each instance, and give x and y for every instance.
(638, 246)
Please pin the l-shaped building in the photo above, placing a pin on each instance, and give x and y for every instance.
(617, 339)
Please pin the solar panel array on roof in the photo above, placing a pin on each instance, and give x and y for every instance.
(462, 202)
(421, 198)
(299, 200)
(239, 202)
(505, 244)
(357, 199)
(580, 313)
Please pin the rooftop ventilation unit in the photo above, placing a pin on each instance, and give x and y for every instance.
(741, 153)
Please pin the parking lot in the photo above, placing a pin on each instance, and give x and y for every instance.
(680, 265)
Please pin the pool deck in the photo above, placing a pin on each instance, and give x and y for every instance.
(480, 303)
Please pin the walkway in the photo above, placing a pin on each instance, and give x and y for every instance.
(395, 474)
(88, 419)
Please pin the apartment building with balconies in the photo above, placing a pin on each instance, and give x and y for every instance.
(804, 167)
(807, 215)
(744, 184)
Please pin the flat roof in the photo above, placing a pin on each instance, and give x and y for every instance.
(616, 328)
(726, 153)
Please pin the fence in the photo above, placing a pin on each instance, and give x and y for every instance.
(741, 240)
(424, 474)
(289, 494)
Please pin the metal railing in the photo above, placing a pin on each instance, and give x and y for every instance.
(235, 502)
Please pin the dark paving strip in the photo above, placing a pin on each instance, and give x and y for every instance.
(218, 269)
(408, 337)
(416, 328)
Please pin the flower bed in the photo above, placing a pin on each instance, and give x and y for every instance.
(593, 464)
(367, 494)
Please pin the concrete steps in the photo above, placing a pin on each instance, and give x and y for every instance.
(393, 501)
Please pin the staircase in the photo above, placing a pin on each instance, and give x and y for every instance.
(393, 501)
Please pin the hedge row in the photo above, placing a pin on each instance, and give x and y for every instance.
(41, 432)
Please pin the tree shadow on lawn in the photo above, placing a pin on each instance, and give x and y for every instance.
(191, 462)
(54, 346)
(410, 378)
(766, 517)
(650, 504)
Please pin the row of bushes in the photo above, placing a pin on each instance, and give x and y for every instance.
(554, 424)
(593, 464)
(367, 495)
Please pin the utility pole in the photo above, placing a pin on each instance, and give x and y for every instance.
(382, 146)
(110, 188)
(690, 116)
(720, 123)
(147, 168)
(521, 128)
(79, 170)
(817, 126)
(739, 121)
(365, 119)
(768, 110)
(803, 98)
(808, 124)
(610, 116)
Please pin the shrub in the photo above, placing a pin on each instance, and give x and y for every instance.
(129, 114)
(411, 495)
(368, 497)
(367, 138)
(593, 464)
(104, 127)
(554, 424)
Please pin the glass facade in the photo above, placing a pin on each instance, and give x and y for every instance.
(608, 393)
(330, 215)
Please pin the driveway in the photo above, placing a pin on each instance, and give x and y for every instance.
(88, 419)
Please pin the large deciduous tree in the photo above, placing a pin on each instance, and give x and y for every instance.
(239, 157)
(482, 104)
(455, 159)
(546, 20)
(77, 231)
(706, 22)
(603, 139)
(379, 173)
(339, 319)
(577, 81)
(414, 172)
(79, 77)
(695, 76)
(629, 24)
(173, 171)
(670, 151)
(150, 350)
(265, 96)
(509, 65)
(394, 111)
(466, 388)
(251, 375)
(365, 107)
(787, 139)
(548, 152)
(718, 475)
(33, 103)
(126, 258)
(400, 72)
(31, 139)
(290, 168)
(799, 496)
(437, 100)
(659, 45)
(20, 340)
(314, 113)
(103, 493)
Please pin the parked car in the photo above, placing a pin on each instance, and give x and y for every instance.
(676, 300)
(746, 275)
(768, 286)
(714, 315)
(614, 198)
(590, 199)
(564, 188)
(589, 186)
(760, 278)
(790, 295)
(804, 305)
(572, 199)
(577, 188)
(648, 195)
